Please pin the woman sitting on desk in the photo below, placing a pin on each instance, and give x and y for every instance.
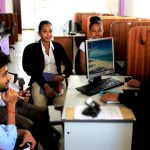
(96, 31)
(138, 102)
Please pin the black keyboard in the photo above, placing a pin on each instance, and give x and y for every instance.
(105, 84)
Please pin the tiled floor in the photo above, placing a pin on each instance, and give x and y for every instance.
(16, 55)
(28, 36)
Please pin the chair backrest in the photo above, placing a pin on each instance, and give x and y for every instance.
(138, 60)
(77, 63)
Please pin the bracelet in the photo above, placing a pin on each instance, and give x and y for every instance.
(11, 111)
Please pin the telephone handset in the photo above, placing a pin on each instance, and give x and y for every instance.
(93, 108)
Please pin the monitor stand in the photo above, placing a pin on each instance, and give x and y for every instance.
(95, 80)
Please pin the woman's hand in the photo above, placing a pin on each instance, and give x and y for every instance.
(58, 78)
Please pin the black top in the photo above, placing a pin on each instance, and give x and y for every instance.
(138, 101)
(33, 61)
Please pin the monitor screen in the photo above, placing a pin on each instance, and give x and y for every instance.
(99, 57)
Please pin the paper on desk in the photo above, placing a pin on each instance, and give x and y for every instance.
(106, 113)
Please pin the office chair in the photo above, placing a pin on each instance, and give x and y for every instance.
(18, 79)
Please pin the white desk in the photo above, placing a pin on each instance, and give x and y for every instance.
(99, 134)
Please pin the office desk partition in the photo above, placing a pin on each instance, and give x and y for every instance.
(69, 43)
(95, 134)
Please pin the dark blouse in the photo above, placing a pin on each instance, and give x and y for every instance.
(33, 61)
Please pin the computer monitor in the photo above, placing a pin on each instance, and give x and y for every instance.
(99, 58)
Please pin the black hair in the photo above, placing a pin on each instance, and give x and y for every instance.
(95, 20)
(4, 59)
(42, 23)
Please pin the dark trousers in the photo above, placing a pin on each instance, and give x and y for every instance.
(36, 120)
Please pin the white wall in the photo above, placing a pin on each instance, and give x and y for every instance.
(48, 9)
(129, 6)
(9, 6)
(60, 11)
(141, 8)
(28, 14)
(112, 7)
(137, 8)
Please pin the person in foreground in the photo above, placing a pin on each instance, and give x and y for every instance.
(96, 31)
(9, 132)
(28, 116)
(138, 101)
(48, 59)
